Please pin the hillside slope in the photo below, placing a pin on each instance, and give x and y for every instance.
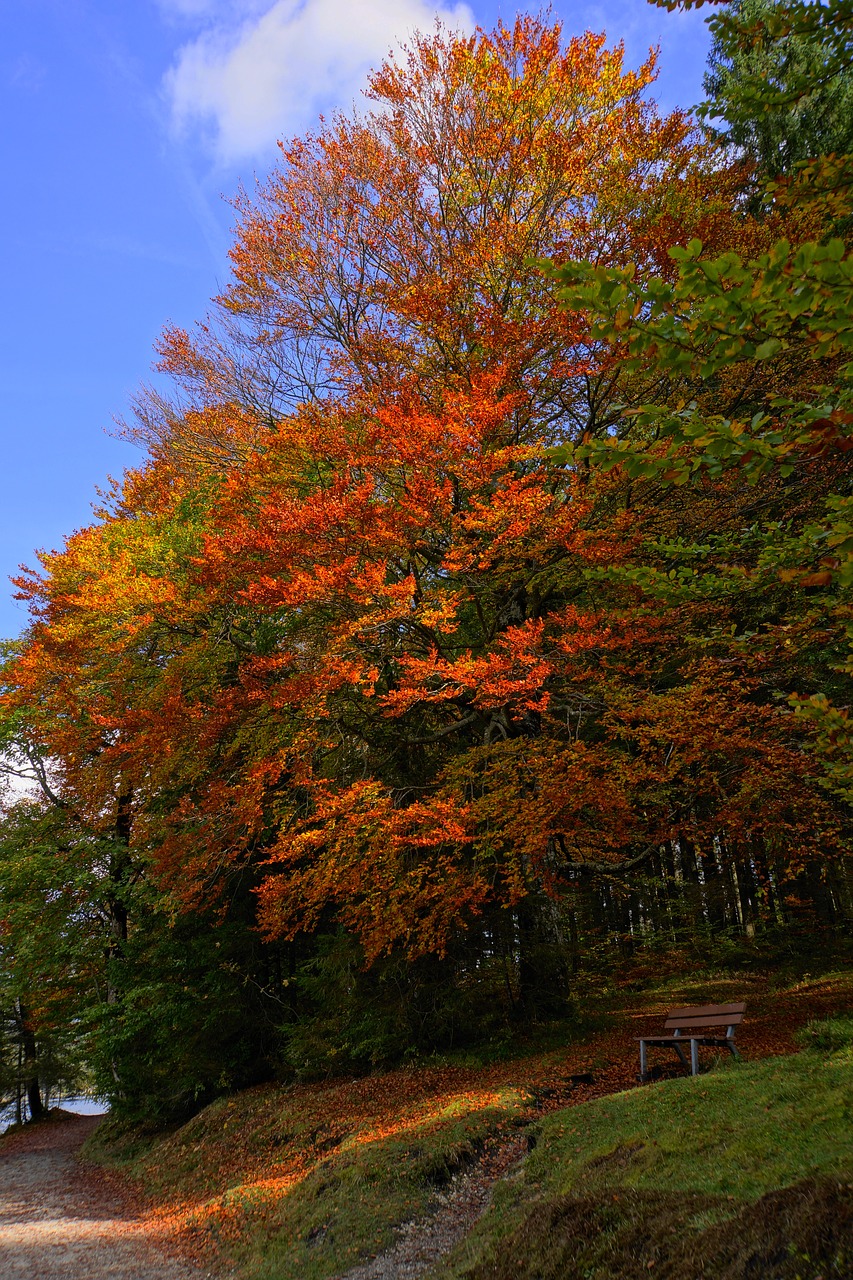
(303, 1181)
(743, 1173)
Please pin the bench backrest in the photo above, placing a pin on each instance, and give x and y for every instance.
(706, 1015)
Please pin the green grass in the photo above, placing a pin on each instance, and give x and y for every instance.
(829, 1035)
(695, 1176)
(302, 1183)
(688, 1156)
(347, 1206)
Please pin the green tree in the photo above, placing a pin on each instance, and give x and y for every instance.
(758, 353)
(798, 102)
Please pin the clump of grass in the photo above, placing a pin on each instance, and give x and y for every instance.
(743, 1172)
(827, 1035)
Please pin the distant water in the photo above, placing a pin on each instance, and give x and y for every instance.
(82, 1106)
(79, 1105)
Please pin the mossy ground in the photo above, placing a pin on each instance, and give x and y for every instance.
(299, 1182)
(744, 1172)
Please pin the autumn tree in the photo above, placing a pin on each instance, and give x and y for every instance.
(394, 249)
(403, 666)
(764, 342)
(397, 534)
(173, 1002)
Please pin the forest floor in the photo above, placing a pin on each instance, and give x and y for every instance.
(380, 1178)
(63, 1220)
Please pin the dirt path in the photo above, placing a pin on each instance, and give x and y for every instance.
(62, 1221)
(424, 1242)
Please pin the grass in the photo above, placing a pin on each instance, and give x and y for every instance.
(303, 1181)
(684, 1174)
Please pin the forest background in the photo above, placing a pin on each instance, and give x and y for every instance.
(480, 614)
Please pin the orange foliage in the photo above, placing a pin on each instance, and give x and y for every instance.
(345, 628)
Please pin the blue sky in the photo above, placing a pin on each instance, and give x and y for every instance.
(126, 123)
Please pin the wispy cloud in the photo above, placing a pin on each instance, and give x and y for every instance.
(26, 74)
(270, 76)
(220, 10)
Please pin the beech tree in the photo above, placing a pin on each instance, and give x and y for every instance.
(451, 621)
(392, 251)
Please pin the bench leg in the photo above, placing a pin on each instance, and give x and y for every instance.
(694, 1057)
(681, 1058)
(643, 1071)
(733, 1051)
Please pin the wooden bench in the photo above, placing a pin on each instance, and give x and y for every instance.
(694, 1026)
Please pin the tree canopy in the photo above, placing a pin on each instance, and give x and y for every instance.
(482, 604)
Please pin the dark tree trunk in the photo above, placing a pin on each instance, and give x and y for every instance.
(34, 1101)
(30, 1063)
(119, 872)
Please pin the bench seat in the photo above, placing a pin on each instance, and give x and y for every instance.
(692, 1026)
(664, 1040)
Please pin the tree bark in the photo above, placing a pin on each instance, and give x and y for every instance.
(30, 1063)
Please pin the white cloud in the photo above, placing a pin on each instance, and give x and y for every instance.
(271, 76)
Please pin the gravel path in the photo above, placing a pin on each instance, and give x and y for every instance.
(61, 1221)
(422, 1243)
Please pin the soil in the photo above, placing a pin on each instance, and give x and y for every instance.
(62, 1220)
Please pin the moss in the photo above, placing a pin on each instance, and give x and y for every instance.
(745, 1172)
(799, 1233)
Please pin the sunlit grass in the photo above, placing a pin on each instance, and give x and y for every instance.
(720, 1141)
(305, 1180)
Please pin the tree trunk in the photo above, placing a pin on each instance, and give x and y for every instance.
(30, 1063)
